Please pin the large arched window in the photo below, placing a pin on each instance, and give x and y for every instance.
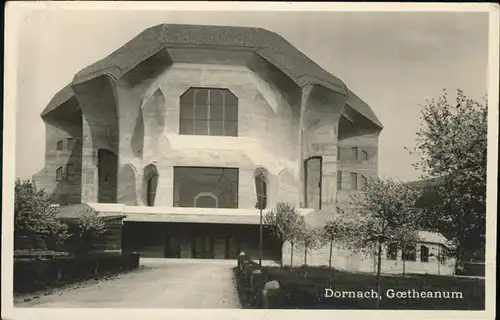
(206, 111)
(261, 188)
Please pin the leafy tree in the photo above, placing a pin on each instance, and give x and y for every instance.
(35, 219)
(452, 144)
(91, 226)
(384, 212)
(284, 223)
(309, 238)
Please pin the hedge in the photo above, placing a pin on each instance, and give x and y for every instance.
(42, 272)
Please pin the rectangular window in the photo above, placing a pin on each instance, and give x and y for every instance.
(364, 155)
(59, 145)
(355, 153)
(338, 153)
(205, 187)
(410, 254)
(392, 252)
(208, 111)
(364, 182)
(424, 254)
(339, 180)
(354, 181)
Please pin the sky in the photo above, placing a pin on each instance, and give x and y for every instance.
(392, 60)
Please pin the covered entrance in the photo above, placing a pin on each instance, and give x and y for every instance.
(197, 240)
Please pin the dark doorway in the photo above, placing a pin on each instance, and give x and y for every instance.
(108, 176)
(312, 182)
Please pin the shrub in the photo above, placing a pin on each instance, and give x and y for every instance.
(35, 222)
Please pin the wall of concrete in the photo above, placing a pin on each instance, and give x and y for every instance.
(267, 132)
(61, 127)
(365, 262)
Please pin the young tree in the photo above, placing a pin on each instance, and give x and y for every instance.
(309, 238)
(383, 213)
(333, 232)
(35, 218)
(284, 221)
(452, 144)
(91, 226)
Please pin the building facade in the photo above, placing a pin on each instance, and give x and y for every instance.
(175, 129)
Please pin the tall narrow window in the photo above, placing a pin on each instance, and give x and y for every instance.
(338, 153)
(392, 252)
(70, 143)
(364, 155)
(312, 182)
(205, 111)
(59, 145)
(59, 174)
(151, 189)
(424, 254)
(354, 181)
(261, 188)
(354, 153)
(339, 180)
(364, 182)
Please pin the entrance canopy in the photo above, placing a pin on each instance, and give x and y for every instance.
(185, 215)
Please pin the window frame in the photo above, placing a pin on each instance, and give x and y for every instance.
(60, 145)
(339, 180)
(364, 155)
(392, 252)
(354, 182)
(426, 259)
(59, 174)
(233, 204)
(191, 121)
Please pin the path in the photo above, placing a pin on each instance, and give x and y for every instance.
(165, 283)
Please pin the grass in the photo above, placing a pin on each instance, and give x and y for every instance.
(311, 294)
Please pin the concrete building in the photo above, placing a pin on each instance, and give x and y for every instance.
(172, 128)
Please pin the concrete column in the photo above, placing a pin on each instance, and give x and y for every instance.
(90, 179)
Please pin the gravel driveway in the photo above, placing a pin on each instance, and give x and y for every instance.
(164, 283)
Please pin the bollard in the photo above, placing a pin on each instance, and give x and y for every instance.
(241, 257)
(256, 281)
(271, 294)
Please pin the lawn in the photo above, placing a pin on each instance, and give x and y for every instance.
(299, 294)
